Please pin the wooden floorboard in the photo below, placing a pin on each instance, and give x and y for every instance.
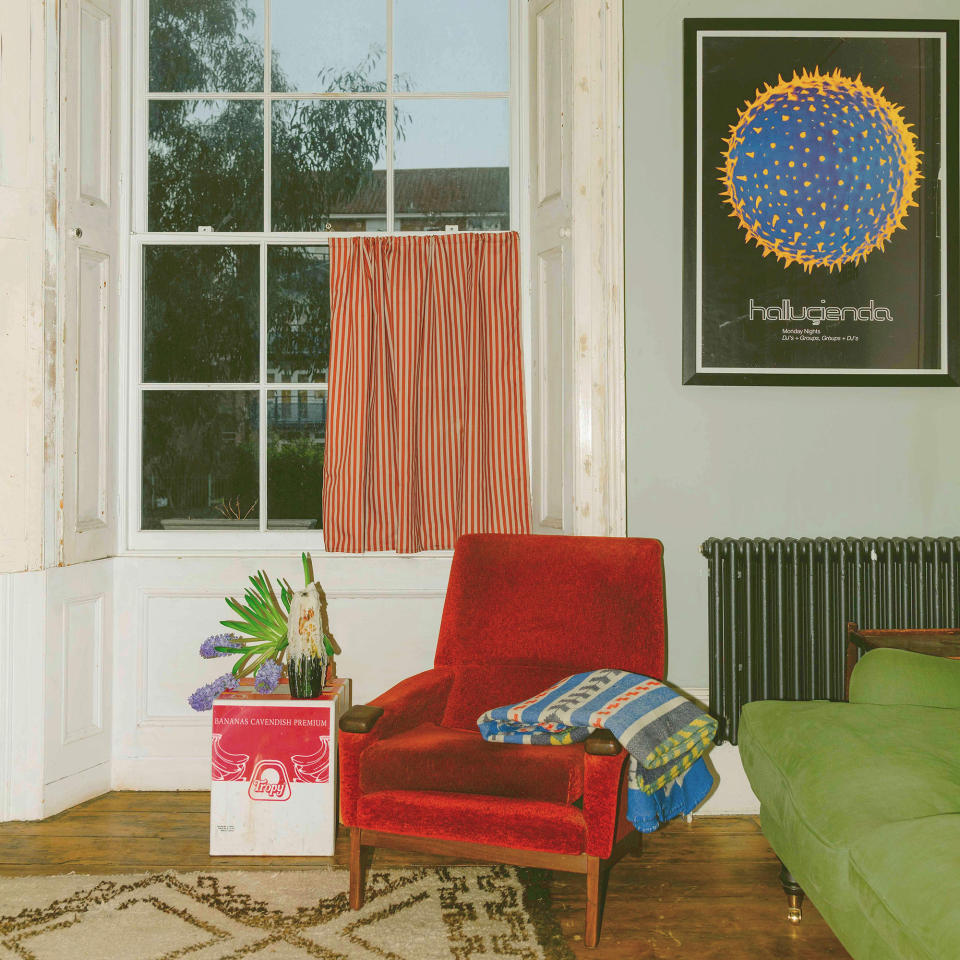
(707, 890)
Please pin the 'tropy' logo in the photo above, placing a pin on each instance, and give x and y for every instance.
(269, 781)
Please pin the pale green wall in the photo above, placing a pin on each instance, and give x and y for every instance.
(749, 461)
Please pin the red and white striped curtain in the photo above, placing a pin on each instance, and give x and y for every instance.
(426, 437)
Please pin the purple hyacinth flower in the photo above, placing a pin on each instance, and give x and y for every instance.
(207, 650)
(202, 698)
(268, 676)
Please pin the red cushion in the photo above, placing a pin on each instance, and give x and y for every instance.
(577, 603)
(499, 821)
(431, 757)
(478, 687)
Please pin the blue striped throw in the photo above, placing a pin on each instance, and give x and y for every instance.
(664, 732)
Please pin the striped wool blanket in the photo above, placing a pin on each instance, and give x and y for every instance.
(664, 732)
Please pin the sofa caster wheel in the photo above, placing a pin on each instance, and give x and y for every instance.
(794, 893)
(794, 912)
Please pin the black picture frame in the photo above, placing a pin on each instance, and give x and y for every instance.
(765, 305)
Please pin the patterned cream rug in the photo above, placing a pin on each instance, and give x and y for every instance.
(427, 913)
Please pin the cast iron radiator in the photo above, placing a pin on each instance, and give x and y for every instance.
(779, 610)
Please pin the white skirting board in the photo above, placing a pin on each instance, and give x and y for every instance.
(162, 773)
(732, 793)
(76, 788)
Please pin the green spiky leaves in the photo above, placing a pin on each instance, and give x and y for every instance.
(262, 620)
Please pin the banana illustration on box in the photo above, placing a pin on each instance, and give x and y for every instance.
(315, 767)
(226, 765)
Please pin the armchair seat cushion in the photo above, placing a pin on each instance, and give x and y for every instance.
(498, 821)
(432, 757)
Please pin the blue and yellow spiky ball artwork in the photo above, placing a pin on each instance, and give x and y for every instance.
(820, 170)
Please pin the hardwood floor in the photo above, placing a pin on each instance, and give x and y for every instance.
(706, 890)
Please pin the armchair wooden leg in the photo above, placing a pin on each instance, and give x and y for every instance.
(594, 877)
(357, 869)
(794, 893)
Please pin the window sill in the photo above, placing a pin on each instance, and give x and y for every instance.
(253, 543)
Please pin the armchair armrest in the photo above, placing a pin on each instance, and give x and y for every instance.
(421, 698)
(897, 677)
(360, 719)
(605, 799)
(602, 743)
(418, 699)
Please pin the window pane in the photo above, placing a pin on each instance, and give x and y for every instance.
(316, 49)
(201, 314)
(206, 46)
(452, 164)
(450, 46)
(298, 312)
(200, 459)
(328, 161)
(296, 434)
(206, 165)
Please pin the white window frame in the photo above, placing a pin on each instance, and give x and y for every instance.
(265, 540)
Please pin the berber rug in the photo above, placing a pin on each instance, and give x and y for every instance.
(417, 913)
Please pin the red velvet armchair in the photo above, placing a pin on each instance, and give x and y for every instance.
(521, 612)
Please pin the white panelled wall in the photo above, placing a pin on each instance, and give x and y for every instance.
(56, 711)
(122, 637)
(60, 188)
(78, 677)
(384, 613)
(97, 660)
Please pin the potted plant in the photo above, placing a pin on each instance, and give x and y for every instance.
(266, 636)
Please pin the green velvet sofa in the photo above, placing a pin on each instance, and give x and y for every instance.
(861, 803)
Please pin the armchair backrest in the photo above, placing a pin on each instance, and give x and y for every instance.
(522, 611)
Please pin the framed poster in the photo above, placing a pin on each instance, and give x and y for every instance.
(820, 202)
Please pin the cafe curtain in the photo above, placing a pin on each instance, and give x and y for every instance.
(426, 438)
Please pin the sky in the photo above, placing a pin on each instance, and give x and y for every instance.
(447, 46)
